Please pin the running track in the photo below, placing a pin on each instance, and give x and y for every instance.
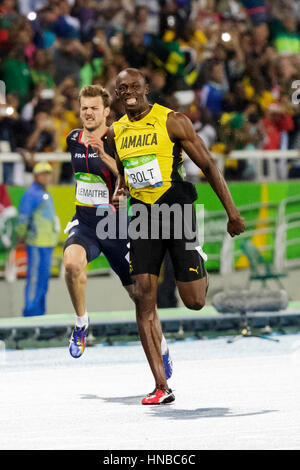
(243, 395)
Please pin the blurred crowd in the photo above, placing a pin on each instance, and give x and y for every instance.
(232, 66)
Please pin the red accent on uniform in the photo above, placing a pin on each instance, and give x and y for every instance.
(79, 138)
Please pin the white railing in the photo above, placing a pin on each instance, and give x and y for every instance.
(228, 252)
(6, 157)
(278, 226)
(40, 157)
(256, 157)
(286, 222)
(215, 231)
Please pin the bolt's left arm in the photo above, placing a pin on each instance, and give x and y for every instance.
(180, 128)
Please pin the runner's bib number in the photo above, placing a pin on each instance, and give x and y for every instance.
(143, 171)
(91, 189)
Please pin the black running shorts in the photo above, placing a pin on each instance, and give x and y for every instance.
(159, 233)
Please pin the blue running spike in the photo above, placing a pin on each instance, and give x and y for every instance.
(168, 364)
(78, 341)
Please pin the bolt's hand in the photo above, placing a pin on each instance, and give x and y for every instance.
(236, 226)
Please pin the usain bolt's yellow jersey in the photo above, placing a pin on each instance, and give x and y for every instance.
(152, 162)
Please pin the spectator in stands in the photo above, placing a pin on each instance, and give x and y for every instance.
(44, 34)
(69, 58)
(69, 90)
(13, 130)
(16, 75)
(28, 111)
(216, 53)
(22, 39)
(42, 69)
(260, 39)
(8, 17)
(157, 87)
(86, 12)
(212, 93)
(285, 33)
(98, 54)
(38, 227)
(141, 17)
(242, 131)
(257, 47)
(71, 21)
(42, 138)
(111, 69)
(241, 100)
(114, 15)
(203, 124)
(135, 51)
(151, 18)
(277, 122)
(288, 70)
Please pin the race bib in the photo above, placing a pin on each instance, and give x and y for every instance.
(143, 171)
(91, 189)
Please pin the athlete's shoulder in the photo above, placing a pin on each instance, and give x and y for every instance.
(180, 126)
(73, 136)
(159, 108)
